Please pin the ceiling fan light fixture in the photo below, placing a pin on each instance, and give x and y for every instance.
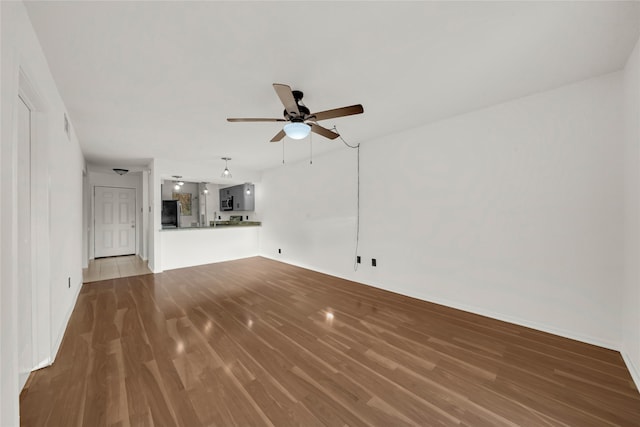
(298, 115)
(297, 130)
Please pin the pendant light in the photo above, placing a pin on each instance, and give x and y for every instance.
(226, 173)
(177, 184)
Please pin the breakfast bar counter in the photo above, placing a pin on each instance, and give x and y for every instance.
(186, 247)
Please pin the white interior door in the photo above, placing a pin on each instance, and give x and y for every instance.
(25, 260)
(114, 221)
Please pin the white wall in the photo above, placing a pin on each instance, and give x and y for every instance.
(308, 211)
(146, 211)
(186, 248)
(513, 211)
(631, 297)
(86, 218)
(112, 179)
(57, 209)
(155, 218)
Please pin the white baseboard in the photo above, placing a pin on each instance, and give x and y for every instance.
(22, 379)
(475, 310)
(523, 322)
(63, 328)
(152, 266)
(43, 364)
(634, 369)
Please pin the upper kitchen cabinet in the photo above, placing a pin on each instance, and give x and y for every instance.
(238, 198)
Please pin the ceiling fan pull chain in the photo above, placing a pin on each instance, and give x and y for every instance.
(283, 151)
(310, 149)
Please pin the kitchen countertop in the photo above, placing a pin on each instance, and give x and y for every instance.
(236, 223)
(219, 224)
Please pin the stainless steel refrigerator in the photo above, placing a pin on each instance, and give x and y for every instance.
(171, 213)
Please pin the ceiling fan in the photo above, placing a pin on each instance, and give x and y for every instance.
(301, 120)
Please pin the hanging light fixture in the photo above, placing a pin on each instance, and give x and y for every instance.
(226, 173)
(120, 171)
(177, 184)
(297, 130)
(206, 190)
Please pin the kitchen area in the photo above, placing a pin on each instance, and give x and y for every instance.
(207, 222)
(188, 205)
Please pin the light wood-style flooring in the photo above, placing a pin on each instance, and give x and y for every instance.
(114, 267)
(256, 342)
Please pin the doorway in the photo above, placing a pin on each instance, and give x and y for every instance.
(25, 258)
(114, 221)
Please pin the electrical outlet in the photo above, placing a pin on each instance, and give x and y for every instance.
(279, 251)
(358, 259)
(373, 262)
(247, 217)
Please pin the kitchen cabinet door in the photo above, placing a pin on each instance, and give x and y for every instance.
(241, 200)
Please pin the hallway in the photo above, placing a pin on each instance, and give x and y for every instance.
(114, 267)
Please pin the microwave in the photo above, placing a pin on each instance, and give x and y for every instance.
(227, 204)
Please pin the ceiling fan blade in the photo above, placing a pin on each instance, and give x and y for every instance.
(338, 112)
(323, 131)
(286, 96)
(255, 120)
(278, 136)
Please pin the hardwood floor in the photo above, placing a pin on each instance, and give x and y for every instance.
(114, 267)
(257, 342)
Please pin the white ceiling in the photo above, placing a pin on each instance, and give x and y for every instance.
(146, 80)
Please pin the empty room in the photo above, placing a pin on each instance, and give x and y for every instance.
(323, 213)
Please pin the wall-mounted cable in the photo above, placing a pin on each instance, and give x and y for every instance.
(357, 147)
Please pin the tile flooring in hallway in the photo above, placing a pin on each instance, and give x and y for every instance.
(114, 267)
